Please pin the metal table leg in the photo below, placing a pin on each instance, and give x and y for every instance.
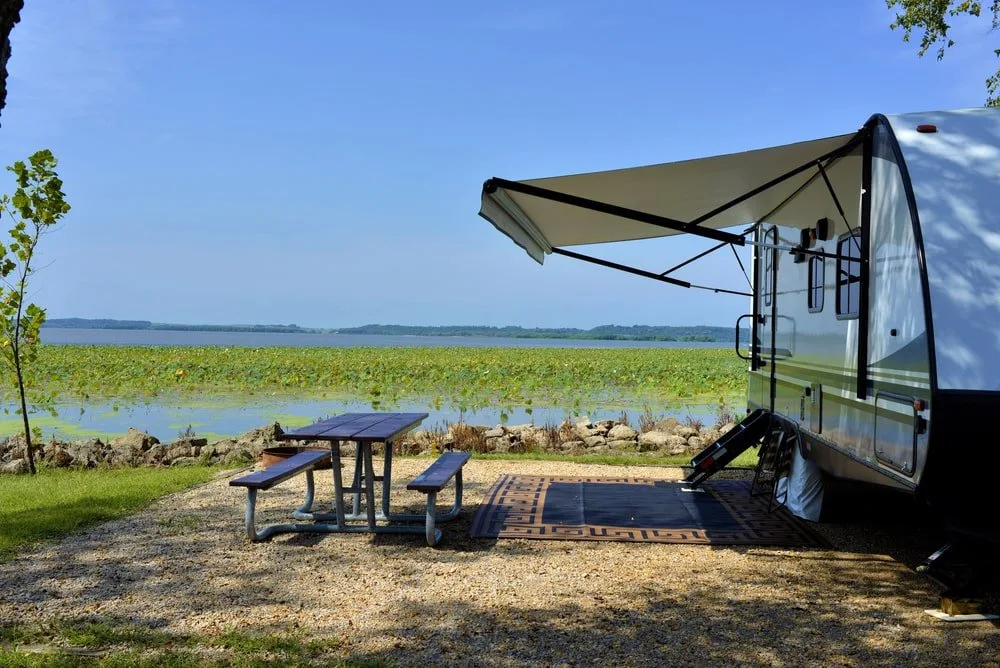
(369, 484)
(386, 479)
(357, 479)
(338, 483)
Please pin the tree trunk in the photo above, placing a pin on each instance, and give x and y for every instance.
(28, 447)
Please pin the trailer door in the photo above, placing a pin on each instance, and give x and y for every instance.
(761, 385)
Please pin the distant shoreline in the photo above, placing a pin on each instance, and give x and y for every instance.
(695, 334)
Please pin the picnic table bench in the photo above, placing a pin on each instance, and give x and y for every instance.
(303, 462)
(430, 482)
(364, 429)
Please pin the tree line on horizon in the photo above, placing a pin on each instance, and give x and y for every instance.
(697, 333)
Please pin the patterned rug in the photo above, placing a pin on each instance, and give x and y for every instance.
(721, 512)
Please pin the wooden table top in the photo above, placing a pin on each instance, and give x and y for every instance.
(361, 427)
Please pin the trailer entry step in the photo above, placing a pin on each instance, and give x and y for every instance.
(740, 438)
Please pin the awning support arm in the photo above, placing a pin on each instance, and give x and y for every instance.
(833, 193)
(642, 272)
(722, 290)
(745, 274)
(849, 146)
(493, 184)
(621, 267)
(836, 201)
(696, 257)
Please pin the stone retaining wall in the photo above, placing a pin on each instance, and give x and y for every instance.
(137, 448)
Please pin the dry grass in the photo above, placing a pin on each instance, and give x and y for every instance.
(647, 421)
(468, 438)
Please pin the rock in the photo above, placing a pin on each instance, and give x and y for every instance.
(653, 440)
(184, 461)
(600, 429)
(58, 456)
(224, 447)
(496, 432)
(239, 456)
(16, 466)
(622, 432)
(583, 423)
(86, 453)
(709, 436)
(694, 443)
(628, 445)
(679, 450)
(130, 448)
(592, 441)
(257, 439)
(156, 455)
(726, 428)
(541, 438)
(498, 444)
(582, 432)
(686, 431)
(521, 428)
(605, 424)
(178, 450)
(674, 441)
(572, 447)
(598, 449)
(666, 424)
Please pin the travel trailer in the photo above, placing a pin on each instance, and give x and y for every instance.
(874, 296)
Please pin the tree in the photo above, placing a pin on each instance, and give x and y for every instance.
(930, 17)
(36, 206)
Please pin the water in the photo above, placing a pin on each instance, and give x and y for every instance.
(145, 337)
(217, 418)
(227, 416)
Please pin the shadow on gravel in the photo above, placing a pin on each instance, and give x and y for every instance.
(492, 603)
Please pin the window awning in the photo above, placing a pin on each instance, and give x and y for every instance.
(702, 196)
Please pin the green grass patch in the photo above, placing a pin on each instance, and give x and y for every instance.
(57, 502)
(121, 643)
(748, 458)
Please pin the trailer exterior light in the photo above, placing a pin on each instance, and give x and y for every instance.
(927, 128)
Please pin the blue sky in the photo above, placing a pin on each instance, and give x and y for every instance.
(321, 164)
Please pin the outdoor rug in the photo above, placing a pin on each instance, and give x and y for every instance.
(635, 509)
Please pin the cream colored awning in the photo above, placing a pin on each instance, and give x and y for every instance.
(674, 194)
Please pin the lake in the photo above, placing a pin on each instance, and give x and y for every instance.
(146, 337)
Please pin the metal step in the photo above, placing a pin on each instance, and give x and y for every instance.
(740, 438)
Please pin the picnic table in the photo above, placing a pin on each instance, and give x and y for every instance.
(363, 429)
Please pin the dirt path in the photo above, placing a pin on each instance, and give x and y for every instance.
(184, 565)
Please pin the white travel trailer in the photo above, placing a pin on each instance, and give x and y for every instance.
(875, 292)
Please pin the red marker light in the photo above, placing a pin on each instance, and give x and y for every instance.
(926, 128)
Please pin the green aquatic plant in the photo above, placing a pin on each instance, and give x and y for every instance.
(463, 379)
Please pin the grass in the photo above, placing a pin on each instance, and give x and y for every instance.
(114, 642)
(57, 502)
(748, 458)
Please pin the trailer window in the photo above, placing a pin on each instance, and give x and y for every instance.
(817, 277)
(849, 275)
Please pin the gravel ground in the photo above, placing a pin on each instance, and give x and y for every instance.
(184, 565)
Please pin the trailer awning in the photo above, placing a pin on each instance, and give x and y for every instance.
(701, 197)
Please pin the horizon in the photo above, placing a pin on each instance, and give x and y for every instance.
(369, 324)
(336, 175)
